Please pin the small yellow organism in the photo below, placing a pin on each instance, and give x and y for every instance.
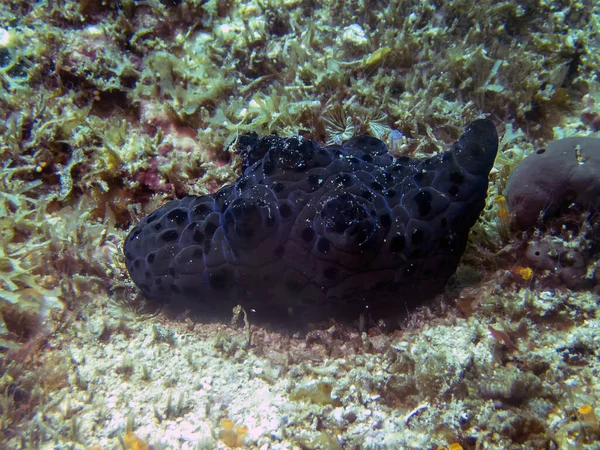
(502, 209)
(588, 415)
(241, 431)
(233, 436)
(376, 58)
(503, 223)
(132, 442)
(524, 272)
(453, 446)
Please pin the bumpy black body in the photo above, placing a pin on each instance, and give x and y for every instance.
(329, 229)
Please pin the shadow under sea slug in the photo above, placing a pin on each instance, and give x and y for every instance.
(320, 231)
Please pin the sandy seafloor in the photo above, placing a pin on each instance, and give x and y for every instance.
(110, 108)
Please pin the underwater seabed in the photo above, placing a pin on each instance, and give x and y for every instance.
(109, 109)
(119, 379)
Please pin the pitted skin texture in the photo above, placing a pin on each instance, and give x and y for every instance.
(306, 228)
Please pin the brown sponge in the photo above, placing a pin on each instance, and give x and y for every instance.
(551, 180)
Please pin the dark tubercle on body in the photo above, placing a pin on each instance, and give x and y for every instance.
(322, 230)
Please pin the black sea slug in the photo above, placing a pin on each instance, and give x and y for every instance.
(327, 230)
